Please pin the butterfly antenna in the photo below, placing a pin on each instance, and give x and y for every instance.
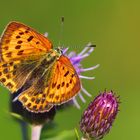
(61, 31)
(92, 45)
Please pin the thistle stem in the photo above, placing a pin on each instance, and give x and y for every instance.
(83, 138)
(86, 138)
(36, 131)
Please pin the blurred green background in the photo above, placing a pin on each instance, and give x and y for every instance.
(114, 26)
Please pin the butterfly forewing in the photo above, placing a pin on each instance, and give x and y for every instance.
(20, 41)
(65, 82)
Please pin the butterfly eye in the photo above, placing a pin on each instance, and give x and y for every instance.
(59, 50)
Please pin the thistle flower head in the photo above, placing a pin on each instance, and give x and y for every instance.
(99, 116)
(76, 60)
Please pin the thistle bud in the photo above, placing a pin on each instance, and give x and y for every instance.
(99, 116)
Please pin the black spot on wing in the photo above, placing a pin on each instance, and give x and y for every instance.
(66, 73)
(30, 38)
(19, 42)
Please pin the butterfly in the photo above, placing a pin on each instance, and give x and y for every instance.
(29, 62)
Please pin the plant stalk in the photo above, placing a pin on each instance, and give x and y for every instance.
(36, 132)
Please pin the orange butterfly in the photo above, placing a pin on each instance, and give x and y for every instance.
(28, 61)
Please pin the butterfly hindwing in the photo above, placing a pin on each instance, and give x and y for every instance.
(7, 73)
(13, 74)
(20, 41)
(34, 97)
(34, 103)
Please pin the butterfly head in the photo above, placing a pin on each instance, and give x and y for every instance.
(59, 51)
(53, 54)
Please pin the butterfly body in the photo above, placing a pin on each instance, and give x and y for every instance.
(28, 62)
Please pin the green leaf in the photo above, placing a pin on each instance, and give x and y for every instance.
(77, 134)
(17, 116)
(64, 135)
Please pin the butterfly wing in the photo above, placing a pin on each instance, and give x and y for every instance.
(58, 85)
(20, 41)
(65, 82)
(34, 102)
(21, 48)
(14, 74)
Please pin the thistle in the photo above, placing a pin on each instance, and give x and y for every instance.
(98, 118)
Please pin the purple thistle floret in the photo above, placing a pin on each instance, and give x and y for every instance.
(76, 60)
(99, 116)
